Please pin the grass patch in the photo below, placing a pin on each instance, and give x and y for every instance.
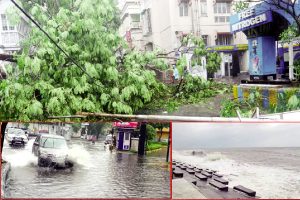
(155, 145)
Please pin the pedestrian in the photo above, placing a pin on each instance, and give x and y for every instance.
(94, 139)
(114, 141)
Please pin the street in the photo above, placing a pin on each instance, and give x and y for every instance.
(97, 172)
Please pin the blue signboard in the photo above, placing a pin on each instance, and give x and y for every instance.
(243, 21)
(262, 59)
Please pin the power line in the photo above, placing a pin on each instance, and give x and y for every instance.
(50, 38)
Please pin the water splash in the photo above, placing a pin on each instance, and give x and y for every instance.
(79, 155)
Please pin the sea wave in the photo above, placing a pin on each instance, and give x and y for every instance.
(268, 181)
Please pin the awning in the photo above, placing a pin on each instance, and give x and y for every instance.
(228, 48)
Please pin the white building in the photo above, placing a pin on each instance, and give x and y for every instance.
(10, 34)
(131, 28)
(165, 22)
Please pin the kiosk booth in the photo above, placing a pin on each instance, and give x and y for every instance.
(124, 132)
(262, 24)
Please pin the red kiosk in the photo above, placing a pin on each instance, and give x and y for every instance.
(124, 131)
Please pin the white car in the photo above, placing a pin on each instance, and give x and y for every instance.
(51, 150)
(15, 136)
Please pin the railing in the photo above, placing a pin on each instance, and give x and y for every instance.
(11, 38)
(135, 25)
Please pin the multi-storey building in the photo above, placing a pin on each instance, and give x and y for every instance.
(131, 28)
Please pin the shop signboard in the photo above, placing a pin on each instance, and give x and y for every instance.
(248, 19)
(126, 124)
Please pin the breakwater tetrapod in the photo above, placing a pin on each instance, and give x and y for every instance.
(206, 183)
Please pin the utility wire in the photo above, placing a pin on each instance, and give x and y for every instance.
(50, 38)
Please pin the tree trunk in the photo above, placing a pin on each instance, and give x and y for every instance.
(142, 139)
(168, 151)
(178, 87)
(161, 132)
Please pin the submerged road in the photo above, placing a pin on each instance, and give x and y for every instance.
(97, 173)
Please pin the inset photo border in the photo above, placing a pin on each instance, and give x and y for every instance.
(235, 160)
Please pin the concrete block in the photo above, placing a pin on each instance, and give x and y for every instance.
(245, 190)
(221, 180)
(201, 177)
(219, 185)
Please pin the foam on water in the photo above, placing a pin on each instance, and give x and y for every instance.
(23, 158)
(267, 181)
(79, 155)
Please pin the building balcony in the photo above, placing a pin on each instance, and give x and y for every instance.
(135, 25)
(11, 39)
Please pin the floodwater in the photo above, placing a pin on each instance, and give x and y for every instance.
(97, 173)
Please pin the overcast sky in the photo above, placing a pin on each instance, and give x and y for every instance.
(230, 135)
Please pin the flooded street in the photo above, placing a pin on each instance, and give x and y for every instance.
(97, 172)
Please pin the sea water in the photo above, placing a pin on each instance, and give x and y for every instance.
(271, 172)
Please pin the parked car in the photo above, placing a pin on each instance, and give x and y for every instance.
(16, 136)
(51, 150)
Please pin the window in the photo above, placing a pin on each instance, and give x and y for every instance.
(183, 9)
(127, 136)
(203, 7)
(135, 18)
(224, 39)
(5, 24)
(205, 39)
(221, 19)
(147, 27)
(222, 8)
(53, 143)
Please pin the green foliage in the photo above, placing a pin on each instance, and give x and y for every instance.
(160, 127)
(97, 128)
(238, 6)
(297, 69)
(245, 107)
(181, 65)
(229, 108)
(154, 145)
(195, 88)
(287, 101)
(76, 127)
(289, 34)
(151, 132)
(48, 83)
(213, 62)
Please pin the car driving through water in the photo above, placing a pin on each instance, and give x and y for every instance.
(16, 136)
(51, 150)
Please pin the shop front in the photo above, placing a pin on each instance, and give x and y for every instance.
(123, 136)
(262, 24)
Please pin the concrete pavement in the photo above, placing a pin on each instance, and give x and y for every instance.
(182, 189)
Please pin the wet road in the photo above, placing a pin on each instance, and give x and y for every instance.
(97, 173)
